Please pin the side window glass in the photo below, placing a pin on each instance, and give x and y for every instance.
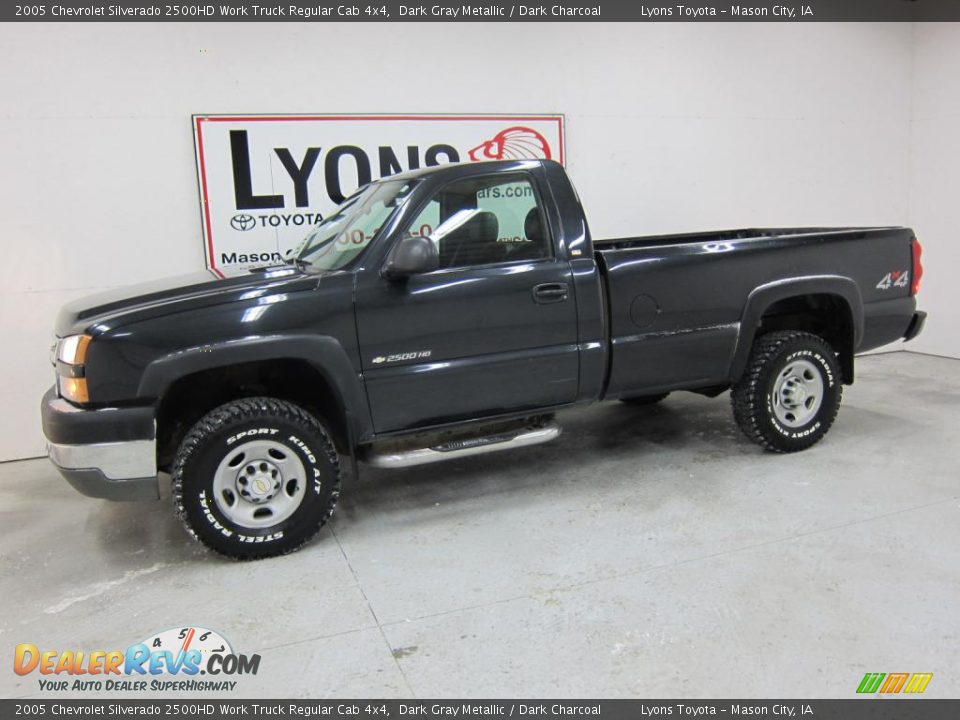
(485, 220)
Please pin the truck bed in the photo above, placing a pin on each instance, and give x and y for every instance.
(676, 303)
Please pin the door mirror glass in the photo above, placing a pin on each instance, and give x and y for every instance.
(413, 255)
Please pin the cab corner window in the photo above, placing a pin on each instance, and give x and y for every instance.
(485, 220)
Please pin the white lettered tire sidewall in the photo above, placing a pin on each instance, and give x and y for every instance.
(828, 373)
(228, 427)
(752, 395)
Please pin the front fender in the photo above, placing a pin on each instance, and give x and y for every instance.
(324, 353)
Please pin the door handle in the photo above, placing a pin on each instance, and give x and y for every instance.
(550, 292)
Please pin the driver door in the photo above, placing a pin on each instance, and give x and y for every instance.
(492, 331)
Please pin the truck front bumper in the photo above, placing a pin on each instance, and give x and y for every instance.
(107, 453)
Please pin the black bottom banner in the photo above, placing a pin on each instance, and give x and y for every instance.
(854, 709)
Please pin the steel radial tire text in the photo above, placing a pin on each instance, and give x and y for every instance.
(255, 478)
(790, 392)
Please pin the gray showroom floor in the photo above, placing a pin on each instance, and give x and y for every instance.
(650, 552)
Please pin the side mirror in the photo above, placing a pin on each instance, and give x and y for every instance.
(412, 255)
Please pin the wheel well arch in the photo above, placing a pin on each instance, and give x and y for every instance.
(830, 307)
(824, 314)
(191, 396)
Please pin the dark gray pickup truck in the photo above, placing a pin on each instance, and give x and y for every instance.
(447, 312)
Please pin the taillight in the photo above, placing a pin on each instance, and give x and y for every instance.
(917, 266)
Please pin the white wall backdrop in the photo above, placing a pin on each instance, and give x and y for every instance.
(669, 128)
(935, 181)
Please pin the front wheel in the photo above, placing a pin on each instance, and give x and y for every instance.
(790, 392)
(255, 478)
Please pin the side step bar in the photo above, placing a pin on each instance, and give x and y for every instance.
(463, 447)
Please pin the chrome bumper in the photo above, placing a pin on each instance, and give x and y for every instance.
(114, 471)
(107, 453)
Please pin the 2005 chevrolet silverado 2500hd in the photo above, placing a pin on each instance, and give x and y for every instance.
(447, 312)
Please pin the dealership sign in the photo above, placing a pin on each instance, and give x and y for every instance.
(266, 179)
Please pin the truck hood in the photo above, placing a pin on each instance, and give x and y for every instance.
(174, 294)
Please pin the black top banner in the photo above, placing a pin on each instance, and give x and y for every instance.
(465, 709)
(453, 11)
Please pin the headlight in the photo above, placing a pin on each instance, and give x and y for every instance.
(73, 349)
(71, 376)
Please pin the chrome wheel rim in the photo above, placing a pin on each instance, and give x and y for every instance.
(259, 484)
(797, 393)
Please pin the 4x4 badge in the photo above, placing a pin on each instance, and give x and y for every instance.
(897, 278)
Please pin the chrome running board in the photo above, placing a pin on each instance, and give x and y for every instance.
(463, 447)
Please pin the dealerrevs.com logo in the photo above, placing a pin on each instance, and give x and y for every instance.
(176, 660)
(265, 180)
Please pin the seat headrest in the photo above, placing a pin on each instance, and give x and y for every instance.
(482, 226)
(474, 242)
(532, 227)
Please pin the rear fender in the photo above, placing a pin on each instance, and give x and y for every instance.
(764, 296)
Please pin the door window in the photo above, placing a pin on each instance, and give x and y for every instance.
(485, 220)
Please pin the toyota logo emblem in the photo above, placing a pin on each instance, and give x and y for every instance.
(243, 222)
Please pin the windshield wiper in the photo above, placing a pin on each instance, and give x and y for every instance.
(298, 262)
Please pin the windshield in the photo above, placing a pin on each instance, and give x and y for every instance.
(343, 235)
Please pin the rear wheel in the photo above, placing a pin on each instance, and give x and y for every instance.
(790, 392)
(645, 399)
(255, 478)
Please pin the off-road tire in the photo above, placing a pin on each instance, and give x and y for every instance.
(645, 399)
(753, 396)
(220, 432)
